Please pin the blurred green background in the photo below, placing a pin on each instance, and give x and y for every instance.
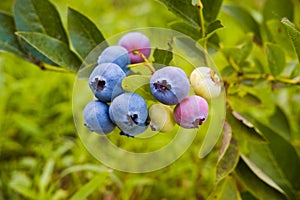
(41, 156)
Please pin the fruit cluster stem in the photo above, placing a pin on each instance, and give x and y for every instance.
(146, 61)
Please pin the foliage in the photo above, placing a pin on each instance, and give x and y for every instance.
(254, 44)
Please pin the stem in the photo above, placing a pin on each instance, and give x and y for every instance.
(146, 61)
(272, 78)
(290, 81)
(200, 6)
(202, 26)
(47, 67)
(44, 66)
(234, 65)
(136, 64)
(267, 77)
(56, 69)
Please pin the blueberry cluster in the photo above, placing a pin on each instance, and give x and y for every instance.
(169, 85)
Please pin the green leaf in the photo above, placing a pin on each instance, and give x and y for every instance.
(276, 59)
(243, 130)
(224, 190)
(22, 184)
(185, 10)
(255, 185)
(84, 34)
(186, 28)
(140, 68)
(187, 47)
(213, 26)
(279, 123)
(259, 97)
(296, 20)
(292, 69)
(277, 9)
(279, 35)
(8, 40)
(245, 19)
(214, 41)
(46, 175)
(211, 9)
(84, 167)
(133, 82)
(263, 159)
(258, 172)
(287, 165)
(229, 154)
(97, 182)
(293, 34)
(247, 196)
(39, 16)
(246, 46)
(140, 181)
(273, 161)
(228, 71)
(138, 84)
(53, 49)
(288, 101)
(162, 56)
(240, 52)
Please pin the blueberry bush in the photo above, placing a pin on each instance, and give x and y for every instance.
(255, 46)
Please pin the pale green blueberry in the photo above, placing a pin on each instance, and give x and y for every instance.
(161, 117)
(205, 82)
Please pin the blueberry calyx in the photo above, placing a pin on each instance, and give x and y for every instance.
(86, 125)
(99, 84)
(214, 77)
(162, 86)
(133, 119)
(198, 122)
(126, 134)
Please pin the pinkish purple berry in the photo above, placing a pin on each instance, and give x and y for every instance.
(136, 43)
(191, 112)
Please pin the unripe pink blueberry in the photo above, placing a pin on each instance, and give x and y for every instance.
(136, 41)
(205, 82)
(191, 112)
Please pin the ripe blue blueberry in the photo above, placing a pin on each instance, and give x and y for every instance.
(115, 54)
(129, 112)
(96, 117)
(135, 41)
(105, 81)
(169, 85)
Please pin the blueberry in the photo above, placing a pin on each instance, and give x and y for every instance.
(161, 117)
(191, 112)
(105, 81)
(169, 85)
(136, 41)
(96, 117)
(205, 82)
(129, 112)
(115, 54)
